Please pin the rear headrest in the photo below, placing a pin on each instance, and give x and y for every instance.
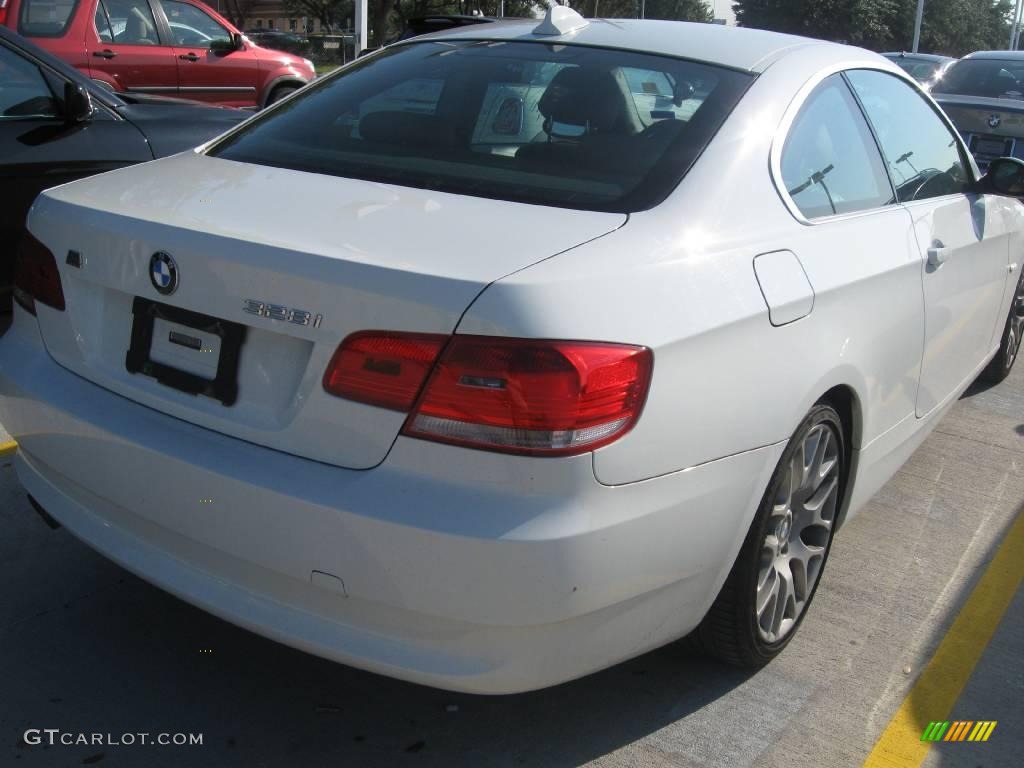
(583, 97)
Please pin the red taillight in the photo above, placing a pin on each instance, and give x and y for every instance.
(550, 398)
(3, 11)
(36, 277)
(544, 398)
(383, 368)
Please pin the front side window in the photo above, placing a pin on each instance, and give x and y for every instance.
(23, 89)
(191, 26)
(561, 125)
(45, 18)
(923, 154)
(830, 164)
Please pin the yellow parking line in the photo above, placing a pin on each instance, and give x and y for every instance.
(940, 684)
(6, 449)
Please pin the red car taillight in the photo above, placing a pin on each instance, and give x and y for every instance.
(36, 277)
(543, 398)
(383, 368)
(3, 11)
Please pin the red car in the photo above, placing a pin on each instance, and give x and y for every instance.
(170, 47)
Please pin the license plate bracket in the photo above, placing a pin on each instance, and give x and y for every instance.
(986, 148)
(138, 359)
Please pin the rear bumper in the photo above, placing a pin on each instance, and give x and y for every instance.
(460, 569)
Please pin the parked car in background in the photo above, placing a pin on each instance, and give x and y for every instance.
(168, 47)
(57, 125)
(983, 94)
(926, 68)
(519, 397)
(279, 40)
(422, 25)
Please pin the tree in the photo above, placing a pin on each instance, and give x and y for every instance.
(237, 11)
(953, 27)
(331, 13)
(388, 17)
(672, 10)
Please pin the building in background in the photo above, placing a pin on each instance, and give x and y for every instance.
(266, 14)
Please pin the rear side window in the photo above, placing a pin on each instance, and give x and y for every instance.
(830, 163)
(561, 125)
(45, 18)
(922, 152)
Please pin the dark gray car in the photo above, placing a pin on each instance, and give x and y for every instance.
(57, 125)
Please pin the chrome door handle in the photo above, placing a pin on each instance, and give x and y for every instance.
(937, 256)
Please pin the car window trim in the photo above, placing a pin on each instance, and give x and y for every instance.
(807, 90)
(163, 26)
(872, 131)
(791, 112)
(969, 166)
(101, 5)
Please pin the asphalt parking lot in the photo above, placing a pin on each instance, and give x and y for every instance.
(88, 647)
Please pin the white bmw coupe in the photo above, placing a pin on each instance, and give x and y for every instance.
(508, 353)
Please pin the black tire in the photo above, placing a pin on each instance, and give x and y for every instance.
(280, 92)
(731, 630)
(1010, 343)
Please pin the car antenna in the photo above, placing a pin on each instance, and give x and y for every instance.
(560, 20)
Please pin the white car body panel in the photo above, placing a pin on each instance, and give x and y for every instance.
(231, 227)
(963, 295)
(468, 569)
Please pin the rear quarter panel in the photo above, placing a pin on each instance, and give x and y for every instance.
(679, 279)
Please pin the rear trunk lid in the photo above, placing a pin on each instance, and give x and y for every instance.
(991, 127)
(317, 257)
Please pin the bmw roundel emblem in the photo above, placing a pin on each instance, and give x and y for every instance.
(994, 121)
(163, 273)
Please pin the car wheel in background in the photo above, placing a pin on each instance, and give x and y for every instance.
(777, 571)
(280, 92)
(1011, 342)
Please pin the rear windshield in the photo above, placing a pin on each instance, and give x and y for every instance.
(45, 18)
(922, 71)
(568, 126)
(993, 78)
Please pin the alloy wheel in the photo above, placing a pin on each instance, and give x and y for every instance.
(1015, 329)
(798, 532)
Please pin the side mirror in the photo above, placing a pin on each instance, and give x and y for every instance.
(226, 45)
(1005, 176)
(77, 103)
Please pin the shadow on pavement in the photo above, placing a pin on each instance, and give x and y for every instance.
(131, 662)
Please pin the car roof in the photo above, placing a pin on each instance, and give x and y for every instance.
(751, 50)
(917, 56)
(33, 51)
(1012, 55)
